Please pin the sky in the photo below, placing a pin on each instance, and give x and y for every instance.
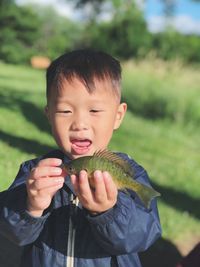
(186, 19)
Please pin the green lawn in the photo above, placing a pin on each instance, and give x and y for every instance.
(167, 148)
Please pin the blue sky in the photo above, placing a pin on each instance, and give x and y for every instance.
(186, 19)
(186, 7)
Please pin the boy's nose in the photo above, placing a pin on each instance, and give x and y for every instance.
(80, 123)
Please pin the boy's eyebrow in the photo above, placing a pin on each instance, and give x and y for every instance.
(64, 100)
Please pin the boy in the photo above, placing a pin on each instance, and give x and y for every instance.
(62, 221)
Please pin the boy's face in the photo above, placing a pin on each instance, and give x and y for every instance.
(83, 122)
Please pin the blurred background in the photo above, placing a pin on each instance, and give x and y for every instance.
(158, 44)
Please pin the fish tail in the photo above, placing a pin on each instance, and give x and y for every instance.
(146, 194)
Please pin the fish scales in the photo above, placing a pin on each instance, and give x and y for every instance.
(104, 164)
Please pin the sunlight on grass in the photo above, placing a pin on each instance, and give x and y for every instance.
(162, 90)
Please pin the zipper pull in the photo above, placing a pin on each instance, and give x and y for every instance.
(74, 201)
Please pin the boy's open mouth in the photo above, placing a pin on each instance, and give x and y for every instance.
(81, 146)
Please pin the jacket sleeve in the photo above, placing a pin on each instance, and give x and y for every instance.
(16, 224)
(128, 227)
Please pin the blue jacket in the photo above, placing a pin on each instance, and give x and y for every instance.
(67, 235)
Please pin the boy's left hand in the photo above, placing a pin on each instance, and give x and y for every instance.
(102, 198)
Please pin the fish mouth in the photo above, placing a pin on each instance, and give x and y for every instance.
(80, 146)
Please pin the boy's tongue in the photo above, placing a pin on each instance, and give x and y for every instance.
(81, 143)
(81, 147)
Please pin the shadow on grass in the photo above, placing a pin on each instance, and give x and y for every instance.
(179, 200)
(35, 115)
(24, 144)
(32, 113)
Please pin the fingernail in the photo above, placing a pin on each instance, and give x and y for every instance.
(58, 161)
(106, 174)
(82, 174)
(57, 170)
(59, 180)
(97, 174)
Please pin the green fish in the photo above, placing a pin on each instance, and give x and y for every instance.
(120, 170)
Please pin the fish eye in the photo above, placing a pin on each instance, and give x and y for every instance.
(71, 169)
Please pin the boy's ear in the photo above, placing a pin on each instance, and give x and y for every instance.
(120, 115)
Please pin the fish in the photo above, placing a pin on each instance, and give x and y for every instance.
(121, 171)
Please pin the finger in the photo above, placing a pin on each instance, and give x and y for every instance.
(50, 162)
(43, 183)
(36, 187)
(100, 191)
(44, 171)
(83, 188)
(42, 198)
(110, 187)
(51, 190)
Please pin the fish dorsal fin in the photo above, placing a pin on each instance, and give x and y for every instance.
(109, 155)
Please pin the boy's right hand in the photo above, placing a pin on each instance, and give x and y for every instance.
(42, 184)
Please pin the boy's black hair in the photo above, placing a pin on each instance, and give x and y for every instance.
(85, 64)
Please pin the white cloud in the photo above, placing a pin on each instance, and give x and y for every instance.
(182, 23)
(186, 24)
(156, 24)
(61, 7)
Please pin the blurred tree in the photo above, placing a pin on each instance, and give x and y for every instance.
(57, 33)
(172, 45)
(96, 7)
(124, 34)
(95, 4)
(6, 2)
(19, 28)
(31, 30)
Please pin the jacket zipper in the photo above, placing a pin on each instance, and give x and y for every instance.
(72, 231)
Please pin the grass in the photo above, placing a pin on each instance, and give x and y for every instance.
(163, 90)
(167, 148)
(171, 157)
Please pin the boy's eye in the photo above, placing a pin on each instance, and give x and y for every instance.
(95, 110)
(63, 111)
